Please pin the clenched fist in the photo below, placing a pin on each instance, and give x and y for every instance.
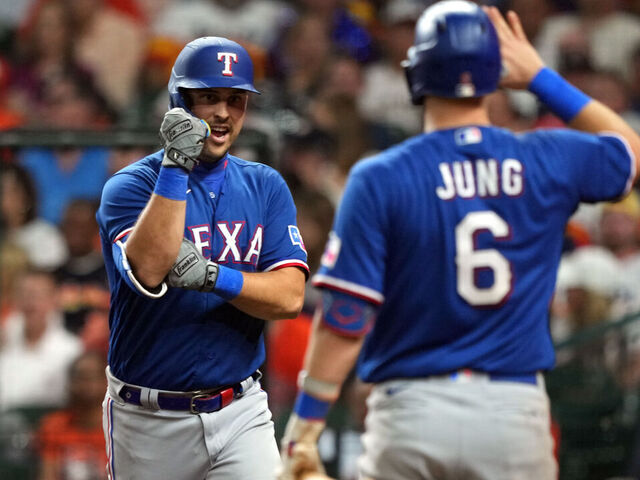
(183, 137)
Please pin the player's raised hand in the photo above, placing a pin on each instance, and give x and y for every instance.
(520, 60)
(183, 137)
(299, 449)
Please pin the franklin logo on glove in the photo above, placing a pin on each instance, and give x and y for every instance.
(185, 264)
(181, 127)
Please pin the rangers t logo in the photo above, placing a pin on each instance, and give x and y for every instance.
(227, 57)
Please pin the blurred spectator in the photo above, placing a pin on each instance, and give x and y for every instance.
(44, 53)
(344, 77)
(306, 53)
(71, 441)
(608, 36)
(12, 13)
(634, 83)
(307, 163)
(346, 30)
(338, 114)
(315, 217)
(532, 13)
(619, 233)
(36, 349)
(385, 99)
(589, 278)
(257, 22)
(152, 100)
(82, 280)
(150, 10)
(503, 113)
(9, 116)
(13, 262)
(41, 241)
(610, 89)
(120, 157)
(63, 174)
(69, 102)
(110, 45)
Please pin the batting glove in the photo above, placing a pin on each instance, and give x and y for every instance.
(183, 138)
(191, 270)
(299, 448)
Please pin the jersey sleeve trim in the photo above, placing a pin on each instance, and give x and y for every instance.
(123, 234)
(632, 157)
(288, 263)
(332, 283)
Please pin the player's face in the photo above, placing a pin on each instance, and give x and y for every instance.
(224, 110)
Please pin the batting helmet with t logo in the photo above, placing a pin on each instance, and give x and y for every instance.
(209, 62)
(455, 53)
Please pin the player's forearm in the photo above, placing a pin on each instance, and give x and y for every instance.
(330, 356)
(272, 295)
(155, 240)
(596, 117)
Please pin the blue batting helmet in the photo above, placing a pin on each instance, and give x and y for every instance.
(209, 62)
(456, 53)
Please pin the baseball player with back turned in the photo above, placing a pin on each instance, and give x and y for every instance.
(201, 247)
(442, 262)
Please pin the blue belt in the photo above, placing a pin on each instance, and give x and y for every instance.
(531, 378)
(201, 401)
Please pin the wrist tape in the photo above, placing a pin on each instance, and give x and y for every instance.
(172, 183)
(318, 388)
(309, 407)
(228, 283)
(557, 94)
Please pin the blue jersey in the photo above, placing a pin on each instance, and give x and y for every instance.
(188, 340)
(457, 235)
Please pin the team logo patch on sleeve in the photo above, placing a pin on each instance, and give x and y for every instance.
(296, 238)
(331, 251)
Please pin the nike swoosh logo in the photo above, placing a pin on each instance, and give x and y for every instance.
(189, 190)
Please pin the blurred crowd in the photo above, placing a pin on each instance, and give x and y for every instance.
(333, 92)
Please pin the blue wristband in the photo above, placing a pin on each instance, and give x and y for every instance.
(560, 96)
(309, 407)
(229, 282)
(172, 183)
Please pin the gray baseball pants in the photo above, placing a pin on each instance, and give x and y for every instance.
(235, 442)
(471, 428)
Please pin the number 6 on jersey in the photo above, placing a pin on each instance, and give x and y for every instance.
(468, 259)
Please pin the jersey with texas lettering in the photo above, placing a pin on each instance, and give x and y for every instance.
(457, 235)
(240, 215)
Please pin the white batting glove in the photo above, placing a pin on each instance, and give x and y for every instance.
(183, 137)
(299, 448)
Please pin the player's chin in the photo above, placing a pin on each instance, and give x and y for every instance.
(213, 153)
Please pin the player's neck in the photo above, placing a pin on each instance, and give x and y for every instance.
(444, 113)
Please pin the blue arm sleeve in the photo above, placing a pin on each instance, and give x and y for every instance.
(347, 315)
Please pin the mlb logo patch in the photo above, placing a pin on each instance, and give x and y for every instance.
(332, 250)
(296, 238)
(468, 136)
